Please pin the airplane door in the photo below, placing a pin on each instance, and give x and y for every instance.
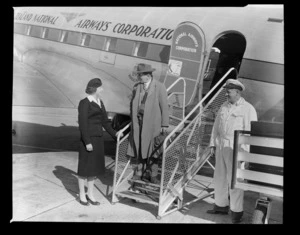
(186, 57)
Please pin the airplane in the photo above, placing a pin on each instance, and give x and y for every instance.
(67, 46)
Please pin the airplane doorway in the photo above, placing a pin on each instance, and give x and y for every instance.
(227, 52)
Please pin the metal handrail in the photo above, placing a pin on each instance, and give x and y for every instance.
(177, 80)
(195, 108)
(184, 91)
(122, 130)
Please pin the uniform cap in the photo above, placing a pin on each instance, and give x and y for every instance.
(234, 84)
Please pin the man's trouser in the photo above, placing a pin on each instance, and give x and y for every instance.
(141, 163)
(149, 165)
(222, 180)
(156, 155)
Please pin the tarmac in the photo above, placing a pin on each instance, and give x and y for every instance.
(45, 187)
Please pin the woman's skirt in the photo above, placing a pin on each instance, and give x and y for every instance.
(92, 163)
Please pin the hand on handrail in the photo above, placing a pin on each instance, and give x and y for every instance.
(120, 133)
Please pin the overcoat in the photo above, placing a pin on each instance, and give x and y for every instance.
(91, 119)
(156, 115)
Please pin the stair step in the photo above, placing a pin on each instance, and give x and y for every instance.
(139, 197)
(144, 183)
(176, 106)
(147, 189)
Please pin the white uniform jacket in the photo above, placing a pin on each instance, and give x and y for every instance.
(232, 117)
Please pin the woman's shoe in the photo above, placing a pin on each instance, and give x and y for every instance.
(95, 203)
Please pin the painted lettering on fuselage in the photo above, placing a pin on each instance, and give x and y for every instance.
(127, 29)
(145, 31)
(29, 17)
(93, 24)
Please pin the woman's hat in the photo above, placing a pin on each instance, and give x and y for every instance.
(95, 82)
(143, 68)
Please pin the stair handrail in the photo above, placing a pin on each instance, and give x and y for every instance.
(194, 109)
(122, 130)
(176, 81)
(184, 91)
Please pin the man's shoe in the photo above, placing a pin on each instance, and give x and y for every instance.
(83, 203)
(95, 203)
(236, 217)
(136, 177)
(154, 180)
(219, 210)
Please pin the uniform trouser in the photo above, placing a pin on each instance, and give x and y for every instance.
(222, 181)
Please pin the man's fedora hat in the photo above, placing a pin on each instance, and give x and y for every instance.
(234, 84)
(143, 68)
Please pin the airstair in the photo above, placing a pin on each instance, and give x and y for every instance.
(185, 151)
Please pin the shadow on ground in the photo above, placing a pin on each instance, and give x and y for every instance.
(43, 138)
(68, 179)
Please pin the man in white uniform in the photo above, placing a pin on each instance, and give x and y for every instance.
(235, 114)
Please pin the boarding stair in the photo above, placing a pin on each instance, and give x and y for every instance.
(185, 151)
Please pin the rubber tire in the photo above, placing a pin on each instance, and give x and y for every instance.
(257, 217)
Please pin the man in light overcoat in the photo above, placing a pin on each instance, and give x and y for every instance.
(149, 116)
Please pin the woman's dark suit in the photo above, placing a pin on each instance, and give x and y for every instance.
(91, 119)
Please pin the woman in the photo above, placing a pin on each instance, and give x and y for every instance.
(92, 117)
(149, 115)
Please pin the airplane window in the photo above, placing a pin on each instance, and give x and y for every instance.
(52, 34)
(36, 31)
(20, 28)
(143, 49)
(85, 40)
(112, 44)
(72, 38)
(158, 53)
(165, 54)
(124, 46)
(136, 48)
(44, 32)
(95, 41)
